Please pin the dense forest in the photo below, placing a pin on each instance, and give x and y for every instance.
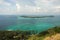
(27, 35)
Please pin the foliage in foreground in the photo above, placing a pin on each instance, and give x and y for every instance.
(27, 35)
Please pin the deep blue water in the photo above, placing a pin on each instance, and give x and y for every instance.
(18, 23)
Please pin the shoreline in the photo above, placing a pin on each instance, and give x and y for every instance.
(26, 35)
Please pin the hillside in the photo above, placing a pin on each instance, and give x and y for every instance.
(53, 34)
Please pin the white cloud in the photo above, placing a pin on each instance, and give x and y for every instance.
(18, 7)
(33, 6)
(2, 2)
(40, 6)
(56, 9)
(57, 6)
(6, 8)
(29, 8)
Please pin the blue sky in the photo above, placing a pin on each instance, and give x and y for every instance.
(29, 7)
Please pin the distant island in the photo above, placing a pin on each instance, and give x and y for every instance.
(36, 16)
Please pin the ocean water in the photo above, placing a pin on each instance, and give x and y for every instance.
(37, 24)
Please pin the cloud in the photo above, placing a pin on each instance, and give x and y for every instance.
(2, 2)
(7, 7)
(57, 6)
(38, 6)
(18, 7)
(29, 6)
(56, 9)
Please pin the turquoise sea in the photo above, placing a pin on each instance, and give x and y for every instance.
(13, 23)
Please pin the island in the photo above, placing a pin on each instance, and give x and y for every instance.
(36, 16)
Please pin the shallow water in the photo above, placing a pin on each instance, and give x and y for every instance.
(36, 24)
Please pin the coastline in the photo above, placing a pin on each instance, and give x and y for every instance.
(17, 35)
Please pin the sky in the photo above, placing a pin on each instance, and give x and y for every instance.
(7, 7)
(29, 7)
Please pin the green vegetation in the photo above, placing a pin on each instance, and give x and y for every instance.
(27, 35)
